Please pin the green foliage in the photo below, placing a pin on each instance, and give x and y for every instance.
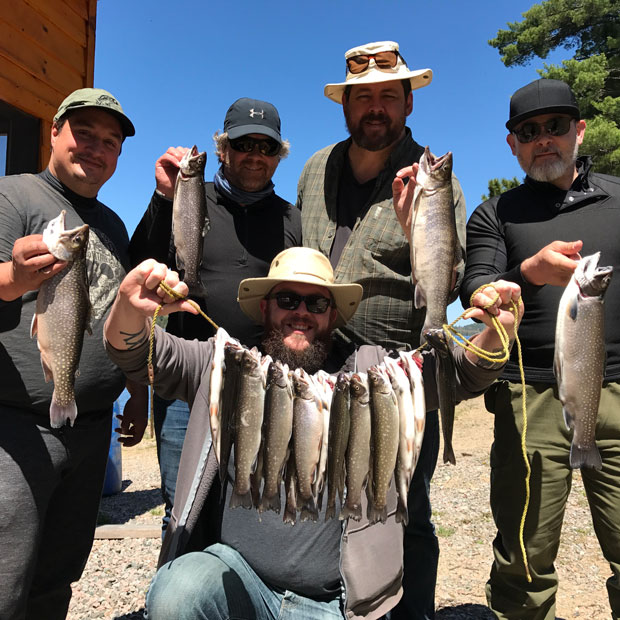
(499, 186)
(592, 29)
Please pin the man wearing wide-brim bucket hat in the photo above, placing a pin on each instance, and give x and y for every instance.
(347, 192)
(220, 563)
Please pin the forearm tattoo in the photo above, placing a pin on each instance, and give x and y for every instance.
(134, 340)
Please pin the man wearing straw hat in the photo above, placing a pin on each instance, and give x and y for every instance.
(345, 193)
(221, 563)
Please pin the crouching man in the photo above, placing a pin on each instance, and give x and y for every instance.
(222, 563)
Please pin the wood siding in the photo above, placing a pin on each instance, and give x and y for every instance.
(47, 50)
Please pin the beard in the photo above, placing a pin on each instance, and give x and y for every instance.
(549, 171)
(310, 359)
(390, 135)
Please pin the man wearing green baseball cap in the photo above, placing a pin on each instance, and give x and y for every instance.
(51, 478)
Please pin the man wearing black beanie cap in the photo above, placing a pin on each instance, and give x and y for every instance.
(533, 235)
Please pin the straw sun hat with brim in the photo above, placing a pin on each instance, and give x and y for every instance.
(299, 265)
(373, 74)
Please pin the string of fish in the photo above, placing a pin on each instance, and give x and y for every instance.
(500, 357)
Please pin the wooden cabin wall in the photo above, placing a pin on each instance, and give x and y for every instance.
(47, 50)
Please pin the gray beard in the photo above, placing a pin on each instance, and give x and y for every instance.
(548, 172)
(310, 359)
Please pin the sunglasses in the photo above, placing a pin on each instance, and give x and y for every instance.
(246, 144)
(528, 132)
(317, 304)
(383, 60)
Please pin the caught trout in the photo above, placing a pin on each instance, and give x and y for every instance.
(61, 316)
(190, 222)
(412, 365)
(278, 428)
(357, 456)
(579, 360)
(385, 440)
(435, 248)
(249, 420)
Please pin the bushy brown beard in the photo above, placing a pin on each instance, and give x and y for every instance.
(310, 359)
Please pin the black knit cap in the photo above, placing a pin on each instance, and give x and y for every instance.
(541, 97)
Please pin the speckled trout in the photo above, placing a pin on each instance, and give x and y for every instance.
(62, 314)
(579, 360)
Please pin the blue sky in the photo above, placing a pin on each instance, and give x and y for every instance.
(176, 67)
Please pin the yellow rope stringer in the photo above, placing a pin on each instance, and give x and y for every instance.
(503, 356)
(149, 360)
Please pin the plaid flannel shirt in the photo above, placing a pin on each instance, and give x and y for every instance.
(377, 252)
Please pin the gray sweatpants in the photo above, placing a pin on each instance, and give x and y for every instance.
(50, 488)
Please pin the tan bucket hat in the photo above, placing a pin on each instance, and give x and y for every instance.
(299, 265)
(372, 75)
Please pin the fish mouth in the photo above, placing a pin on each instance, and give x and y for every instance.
(591, 279)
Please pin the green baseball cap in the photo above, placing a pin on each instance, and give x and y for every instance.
(96, 98)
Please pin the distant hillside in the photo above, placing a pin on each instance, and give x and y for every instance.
(469, 329)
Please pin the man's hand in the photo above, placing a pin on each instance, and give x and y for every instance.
(134, 419)
(403, 197)
(138, 297)
(166, 170)
(495, 300)
(554, 264)
(31, 264)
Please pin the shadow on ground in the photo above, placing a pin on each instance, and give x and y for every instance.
(465, 612)
(126, 505)
(134, 615)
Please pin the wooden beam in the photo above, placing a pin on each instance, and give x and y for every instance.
(125, 530)
(91, 28)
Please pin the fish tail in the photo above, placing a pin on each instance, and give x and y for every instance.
(244, 500)
(377, 514)
(290, 515)
(309, 511)
(270, 503)
(330, 511)
(354, 512)
(61, 414)
(402, 514)
(448, 454)
(585, 457)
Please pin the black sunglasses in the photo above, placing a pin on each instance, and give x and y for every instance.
(384, 61)
(317, 304)
(246, 144)
(528, 132)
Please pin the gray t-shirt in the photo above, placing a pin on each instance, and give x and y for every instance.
(27, 203)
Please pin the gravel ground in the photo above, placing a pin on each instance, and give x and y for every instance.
(118, 572)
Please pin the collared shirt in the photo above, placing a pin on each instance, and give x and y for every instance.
(376, 254)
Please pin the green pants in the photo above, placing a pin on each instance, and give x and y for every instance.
(509, 595)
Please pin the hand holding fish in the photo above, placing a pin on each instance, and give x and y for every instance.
(139, 295)
(31, 264)
(167, 169)
(403, 196)
(554, 264)
(134, 419)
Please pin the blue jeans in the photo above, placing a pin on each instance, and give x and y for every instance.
(421, 552)
(170, 418)
(218, 584)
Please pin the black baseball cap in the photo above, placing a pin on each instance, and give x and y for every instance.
(96, 98)
(541, 97)
(252, 116)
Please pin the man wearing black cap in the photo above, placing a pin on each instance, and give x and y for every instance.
(533, 235)
(249, 225)
(51, 478)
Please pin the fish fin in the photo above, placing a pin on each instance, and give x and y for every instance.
(354, 512)
(47, 369)
(330, 512)
(290, 515)
(60, 415)
(33, 325)
(569, 419)
(448, 454)
(207, 227)
(419, 298)
(377, 514)
(585, 457)
(245, 500)
(309, 511)
(573, 308)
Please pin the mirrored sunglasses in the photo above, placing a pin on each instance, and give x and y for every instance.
(246, 144)
(528, 132)
(317, 304)
(383, 60)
